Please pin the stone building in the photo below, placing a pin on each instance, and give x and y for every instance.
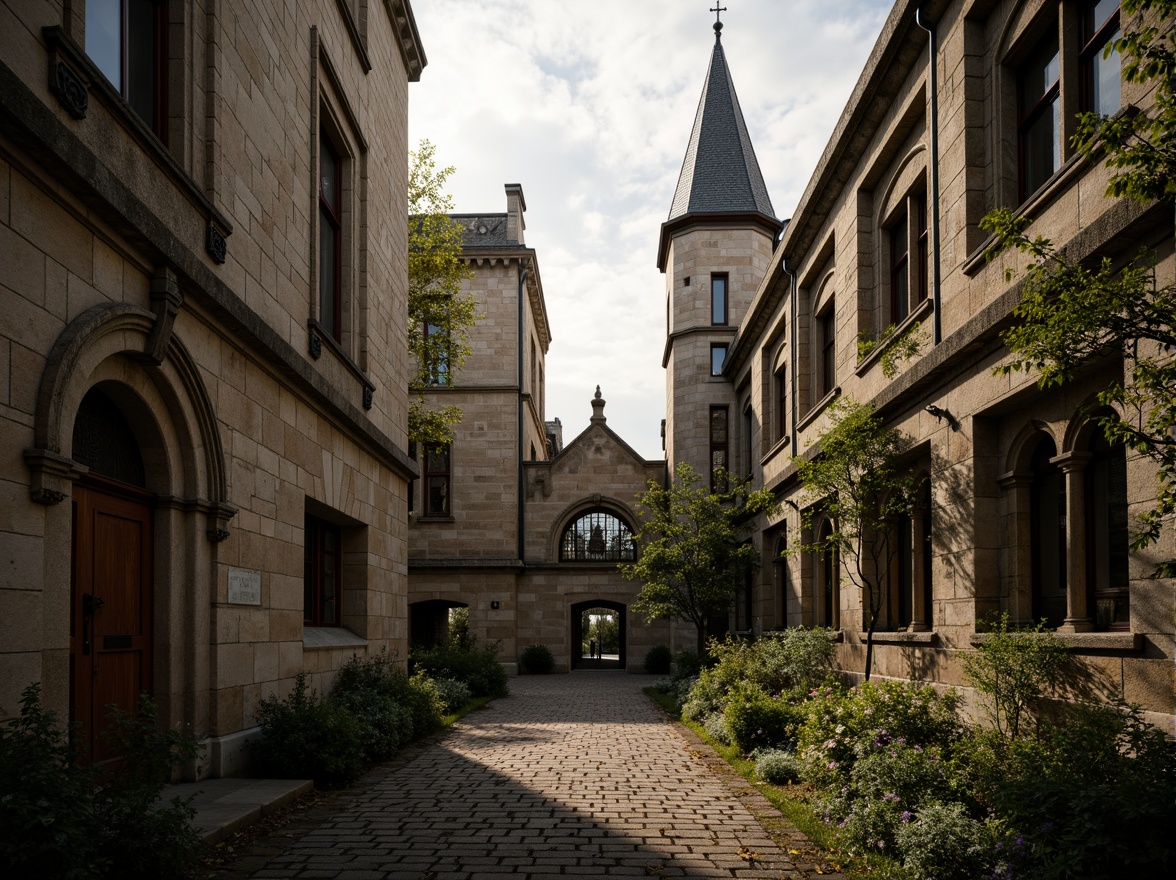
(964, 106)
(203, 367)
(507, 521)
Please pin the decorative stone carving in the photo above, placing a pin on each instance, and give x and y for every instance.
(316, 346)
(215, 244)
(368, 391)
(166, 300)
(53, 475)
(69, 88)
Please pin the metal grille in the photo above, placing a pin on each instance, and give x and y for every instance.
(597, 536)
(104, 442)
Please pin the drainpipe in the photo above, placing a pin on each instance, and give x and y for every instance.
(933, 207)
(521, 349)
(793, 308)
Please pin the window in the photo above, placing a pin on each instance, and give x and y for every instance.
(437, 479)
(412, 453)
(748, 426)
(127, 41)
(828, 339)
(718, 299)
(437, 353)
(718, 447)
(330, 239)
(780, 574)
(1039, 129)
(1047, 510)
(908, 277)
(597, 536)
(322, 563)
(534, 371)
(1107, 535)
(1100, 91)
(780, 379)
(718, 357)
(828, 578)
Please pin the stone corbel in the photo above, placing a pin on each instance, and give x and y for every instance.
(71, 88)
(219, 514)
(166, 300)
(53, 475)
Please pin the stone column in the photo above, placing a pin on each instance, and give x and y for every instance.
(1019, 535)
(917, 562)
(1073, 467)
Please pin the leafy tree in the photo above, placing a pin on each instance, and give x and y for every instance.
(861, 483)
(1070, 313)
(439, 314)
(692, 551)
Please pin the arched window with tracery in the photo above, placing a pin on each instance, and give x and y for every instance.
(597, 536)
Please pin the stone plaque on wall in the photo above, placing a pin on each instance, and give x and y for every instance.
(244, 586)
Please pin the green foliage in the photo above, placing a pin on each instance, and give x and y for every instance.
(436, 274)
(62, 817)
(658, 660)
(303, 737)
(797, 658)
(943, 842)
(693, 555)
(368, 690)
(537, 660)
(1013, 668)
(777, 766)
(463, 659)
(716, 728)
(899, 348)
(861, 482)
(756, 720)
(687, 664)
(1070, 313)
(454, 694)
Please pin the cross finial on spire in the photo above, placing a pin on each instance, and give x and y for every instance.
(716, 9)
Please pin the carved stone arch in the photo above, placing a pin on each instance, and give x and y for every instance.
(1023, 446)
(1083, 424)
(578, 508)
(120, 346)
(900, 183)
(825, 289)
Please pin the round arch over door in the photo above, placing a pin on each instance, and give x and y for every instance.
(429, 622)
(577, 660)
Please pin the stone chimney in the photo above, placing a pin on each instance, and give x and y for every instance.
(516, 206)
(597, 408)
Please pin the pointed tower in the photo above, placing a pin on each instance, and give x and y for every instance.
(715, 248)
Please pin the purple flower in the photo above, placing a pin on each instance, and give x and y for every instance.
(906, 817)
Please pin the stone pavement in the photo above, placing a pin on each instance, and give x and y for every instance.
(575, 774)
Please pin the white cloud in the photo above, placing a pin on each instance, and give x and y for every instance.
(589, 106)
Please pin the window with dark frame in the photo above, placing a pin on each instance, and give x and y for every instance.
(597, 536)
(321, 573)
(330, 239)
(825, 323)
(1101, 90)
(437, 479)
(719, 433)
(908, 277)
(1047, 511)
(781, 397)
(718, 357)
(900, 292)
(127, 41)
(748, 424)
(1039, 111)
(437, 351)
(1107, 536)
(412, 453)
(719, 299)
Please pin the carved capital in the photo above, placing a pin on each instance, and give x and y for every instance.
(53, 475)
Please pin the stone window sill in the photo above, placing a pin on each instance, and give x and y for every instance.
(1114, 642)
(317, 638)
(905, 638)
(918, 313)
(818, 408)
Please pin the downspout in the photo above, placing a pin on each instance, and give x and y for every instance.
(792, 355)
(519, 477)
(933, 207)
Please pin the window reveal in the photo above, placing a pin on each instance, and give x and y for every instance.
(718, 299)
(718, 447)
(126, 40)
(330, 240)
(1039, 115)
(437, 479)
(321, 570)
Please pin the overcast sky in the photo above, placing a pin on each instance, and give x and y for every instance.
(589, 104)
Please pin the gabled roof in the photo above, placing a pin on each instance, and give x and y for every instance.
(720, 173)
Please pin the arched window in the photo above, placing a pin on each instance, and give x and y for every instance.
(1047, 505)
(828, 579)
(1107, 534)
(104, 442)
(597, 536)
(780, 572)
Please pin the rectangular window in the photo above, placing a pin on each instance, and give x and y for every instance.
(437, 353)
(748, 424)
(900, 292)
(127, 41)
(919, 208)
(1101, 76)
(412, 453)
(330, 239)
(437, 479)
(781, 403)
(718, 358)
(321, 570)
(828, 351)
(718, 447)
(718, 299)
(1039, 127)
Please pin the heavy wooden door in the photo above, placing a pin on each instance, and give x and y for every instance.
(110, 612)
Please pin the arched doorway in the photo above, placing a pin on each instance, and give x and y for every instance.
(434, 621)
(112, 571)
(599, 626)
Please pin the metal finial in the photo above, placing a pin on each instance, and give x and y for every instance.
(598, 392)
(716, 9)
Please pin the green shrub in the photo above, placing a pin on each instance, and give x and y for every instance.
(687, 664)
(465, 661)
(303, 737)
(537, 660)
(716, 728)
(62, 817)
(367, 689)
(757, 720)
(942, 842)
(454, 694)
(797, 658)
(777, 766)
(658, 660)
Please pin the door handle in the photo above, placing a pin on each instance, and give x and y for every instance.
(90, 606)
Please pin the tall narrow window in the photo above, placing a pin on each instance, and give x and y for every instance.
(1107, 535)
(900, 289)
(919, 209)
(321, 570)
(330, 239)
(718, 358)
(437, 480)
(1039, 110)
(781, 402)
(718, 299)
(437, 352)
(718, 447)
(828, 339)
(127, 41)
(412, 453)
(1101, 76)
(534, 370)
(1048, 548)
(747, 428)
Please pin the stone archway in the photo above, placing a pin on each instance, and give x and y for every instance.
(608, 659)
(430, 622)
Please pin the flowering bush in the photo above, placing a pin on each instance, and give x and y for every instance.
(943, 842)
(777, 766)
(756, 720)
(794, 658)
(716, 728)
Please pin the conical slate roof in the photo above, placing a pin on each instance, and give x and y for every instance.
(720, 173)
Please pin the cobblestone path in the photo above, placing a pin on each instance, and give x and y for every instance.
(570, 775)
